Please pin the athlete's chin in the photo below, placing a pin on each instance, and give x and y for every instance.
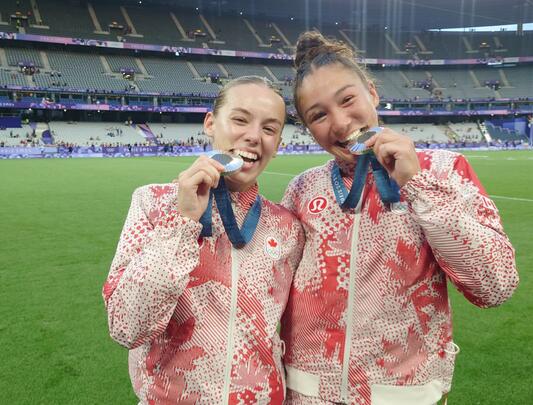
(241, 181)
(343, 154)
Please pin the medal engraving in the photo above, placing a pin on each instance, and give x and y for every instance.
(359, 147)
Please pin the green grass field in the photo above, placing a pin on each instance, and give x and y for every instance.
(59, 224)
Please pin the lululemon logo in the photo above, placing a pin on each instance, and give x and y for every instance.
(317, 204)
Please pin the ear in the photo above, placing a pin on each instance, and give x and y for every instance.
(209, 124)
(373, 93)
(277, 145)
(279, 140)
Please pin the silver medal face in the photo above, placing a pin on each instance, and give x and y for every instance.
(359, 147)
(230, 162)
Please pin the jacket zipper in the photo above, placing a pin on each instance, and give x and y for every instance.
(345, 395)
(231, 329)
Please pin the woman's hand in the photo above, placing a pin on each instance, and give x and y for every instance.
(195, 184)
(396, 153)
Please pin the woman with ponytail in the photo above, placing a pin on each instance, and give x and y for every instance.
(368, 319)
(204, 266)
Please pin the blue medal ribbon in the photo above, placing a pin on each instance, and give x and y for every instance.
(388, 189)
(206, 218)
(238, 237)
(350, 199)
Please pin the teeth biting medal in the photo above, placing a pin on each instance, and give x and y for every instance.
(358, 146)
(232, 163)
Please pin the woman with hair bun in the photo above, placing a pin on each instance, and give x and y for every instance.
(368, 319)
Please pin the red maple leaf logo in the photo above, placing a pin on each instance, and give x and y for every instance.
(272, 242)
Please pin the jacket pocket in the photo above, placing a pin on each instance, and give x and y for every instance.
(427, 394)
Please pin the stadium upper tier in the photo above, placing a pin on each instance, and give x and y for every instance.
(189, 28)
(104, 72)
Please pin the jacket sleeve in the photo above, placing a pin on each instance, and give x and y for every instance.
(464, 230)
(157, 250)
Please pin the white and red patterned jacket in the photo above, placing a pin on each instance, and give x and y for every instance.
(368, 318)
(199, 316)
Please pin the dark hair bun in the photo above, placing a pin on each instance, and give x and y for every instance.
(310, 44)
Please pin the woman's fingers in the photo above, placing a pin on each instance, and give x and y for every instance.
(385, 151)
(210, 167)
(195, 184)
(396, 153)
(206, 176)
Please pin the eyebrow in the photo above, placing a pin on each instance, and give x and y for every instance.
(246, 112)
(239, 109)
(334, 95)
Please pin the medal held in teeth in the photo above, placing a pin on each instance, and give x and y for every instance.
(358, 139)
(231, 163)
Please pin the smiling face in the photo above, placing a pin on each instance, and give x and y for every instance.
(248, 123)
(335, 103)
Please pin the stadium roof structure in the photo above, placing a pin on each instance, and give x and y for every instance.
(400, 15)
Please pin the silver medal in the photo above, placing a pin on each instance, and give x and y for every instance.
(359, 147)
(231, 163)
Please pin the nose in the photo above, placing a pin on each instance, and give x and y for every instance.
(340, 122)
(253, 135)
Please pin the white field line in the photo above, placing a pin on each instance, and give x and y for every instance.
(280, 174)
(501, 197)
(497, 197)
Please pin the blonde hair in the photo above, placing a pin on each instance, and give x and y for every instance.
(261, 81)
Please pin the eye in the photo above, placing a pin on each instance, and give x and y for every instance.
(239, 120)
(347, 99)
(317, 116)
(271, 130)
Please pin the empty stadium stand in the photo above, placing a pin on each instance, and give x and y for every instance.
(95, 133)
(143, 80)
